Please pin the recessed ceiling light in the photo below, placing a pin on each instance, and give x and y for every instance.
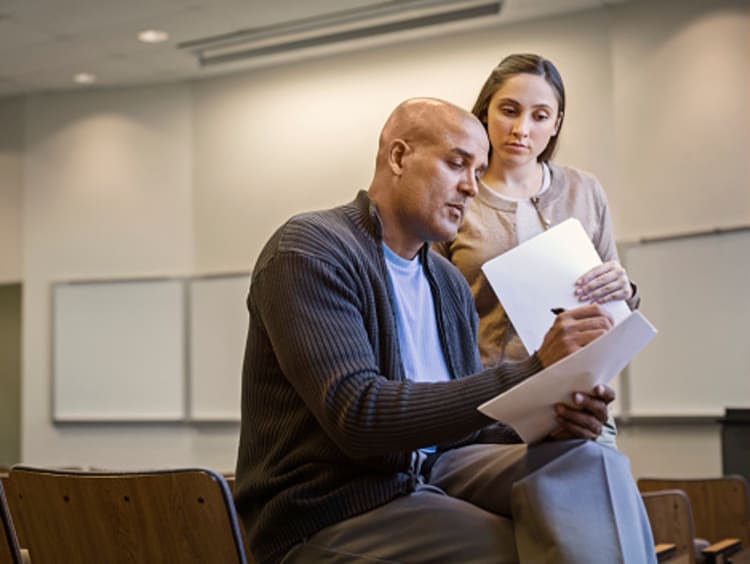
(84, 78)
(153, 36)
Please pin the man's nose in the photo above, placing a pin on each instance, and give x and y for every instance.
(470, 185)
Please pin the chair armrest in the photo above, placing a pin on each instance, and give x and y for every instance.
(665, 551)
(719, 552)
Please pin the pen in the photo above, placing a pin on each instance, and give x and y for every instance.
(557, 310)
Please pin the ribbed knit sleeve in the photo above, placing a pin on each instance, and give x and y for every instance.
(316, 322)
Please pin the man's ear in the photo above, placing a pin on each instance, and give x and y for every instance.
(397, 153)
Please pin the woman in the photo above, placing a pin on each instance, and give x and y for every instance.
(522, 105)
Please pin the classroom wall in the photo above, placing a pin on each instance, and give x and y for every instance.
(681, 117)
(193, 177)
(682, 127)
(107, 194)
(679, 450)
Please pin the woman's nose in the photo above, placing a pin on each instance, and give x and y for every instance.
(521, 127)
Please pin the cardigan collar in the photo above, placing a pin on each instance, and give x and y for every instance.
(556, 187)
(369, 217)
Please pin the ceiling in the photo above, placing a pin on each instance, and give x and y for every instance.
(44, 43)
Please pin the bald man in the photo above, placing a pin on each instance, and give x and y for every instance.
(360, 438)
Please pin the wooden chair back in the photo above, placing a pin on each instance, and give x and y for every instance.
(672, 522)
(184, 515)
(10, 551)
(720, 506)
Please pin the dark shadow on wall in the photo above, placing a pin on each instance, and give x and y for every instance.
(10, 374)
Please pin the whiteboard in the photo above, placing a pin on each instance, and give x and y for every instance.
(696, 290)
(218, 328)
(119, 351)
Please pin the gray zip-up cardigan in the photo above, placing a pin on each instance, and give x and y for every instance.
(329, 421)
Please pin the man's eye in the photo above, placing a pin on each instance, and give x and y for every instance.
(456, 164)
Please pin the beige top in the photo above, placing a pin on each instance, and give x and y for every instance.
(489, 229)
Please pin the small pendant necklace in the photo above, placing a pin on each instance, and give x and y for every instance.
(546, 223)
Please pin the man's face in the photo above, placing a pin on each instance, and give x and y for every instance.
(439, 178)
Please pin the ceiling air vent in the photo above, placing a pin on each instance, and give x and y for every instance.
(372, 21)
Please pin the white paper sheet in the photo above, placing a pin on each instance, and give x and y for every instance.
(540, 274)
(529, 406)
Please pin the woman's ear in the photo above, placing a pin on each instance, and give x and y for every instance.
(396, 155)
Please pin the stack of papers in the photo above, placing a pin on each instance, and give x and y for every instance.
(531, 280)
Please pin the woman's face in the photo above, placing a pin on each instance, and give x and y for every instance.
(521, 118)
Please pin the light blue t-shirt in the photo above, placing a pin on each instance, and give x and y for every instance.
(418, 336)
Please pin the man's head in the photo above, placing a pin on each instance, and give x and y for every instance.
(430, 157)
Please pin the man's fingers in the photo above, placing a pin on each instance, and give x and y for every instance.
(576, 333)
(583, 338)
(573, 329)
(591, 405)
(572, 431)
(578, 424)
(606, 393)
(590, 311)
(582, 325)
(585, 419)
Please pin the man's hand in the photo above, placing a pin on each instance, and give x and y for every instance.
(585, 420)
(572, 330)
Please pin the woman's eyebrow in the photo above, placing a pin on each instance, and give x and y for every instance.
(515, 102)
